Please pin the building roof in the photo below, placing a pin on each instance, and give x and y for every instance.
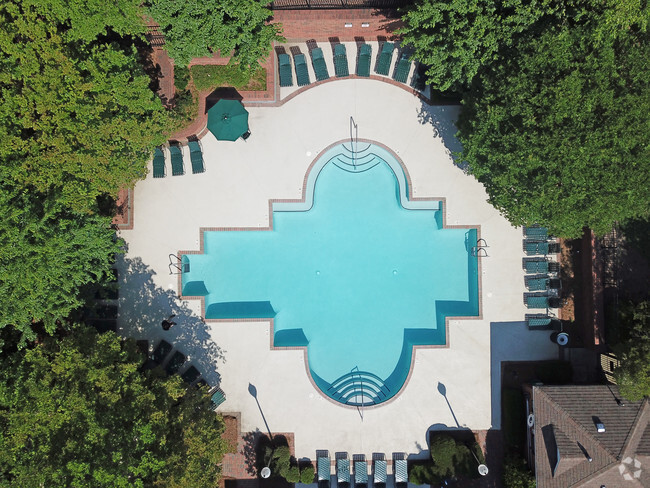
(569, 450)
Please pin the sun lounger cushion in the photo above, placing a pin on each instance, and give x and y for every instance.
(284, 69)
(177, 160)
(196, 157)
(302, 74)
(340, 61)
(363, 63)
(385, 58)
(318, 61)
(403, 69)
(158, 163)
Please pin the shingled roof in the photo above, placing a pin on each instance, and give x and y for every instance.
(570, 452)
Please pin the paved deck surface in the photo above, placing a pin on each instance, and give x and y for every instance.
(234, 191)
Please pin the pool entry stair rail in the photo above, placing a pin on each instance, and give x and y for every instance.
(318, 61)
(284, 70)
(340, 61)
(302, 74)
(359, 389)
(364, 59)
(385, 58)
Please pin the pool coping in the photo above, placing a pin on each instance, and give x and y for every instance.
(302, 200)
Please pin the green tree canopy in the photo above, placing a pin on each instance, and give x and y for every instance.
(78, 412)
(194, 28)
(633, 374)
(557, 132)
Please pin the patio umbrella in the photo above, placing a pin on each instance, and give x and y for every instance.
(228, 120)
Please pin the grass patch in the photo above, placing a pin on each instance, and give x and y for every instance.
(209, 77)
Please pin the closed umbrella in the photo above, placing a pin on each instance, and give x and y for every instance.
(228, 120)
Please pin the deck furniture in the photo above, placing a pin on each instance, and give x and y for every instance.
(323, 469)
(318, 61)
(400, 468)
(343, 472)
(365, 57)
(175, 363)
(158, 163)
(190, 375)
(403, 69)
(284, 69)
(379, 475)
(340, 61)
(302, 74)
(196, 157)
(385, 58)
(361, 474)
(177, 159)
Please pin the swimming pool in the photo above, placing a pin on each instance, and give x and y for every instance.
(357, 273)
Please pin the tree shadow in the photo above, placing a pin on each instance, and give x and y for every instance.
(143, 306)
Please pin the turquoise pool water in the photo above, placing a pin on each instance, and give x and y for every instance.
(357, 274)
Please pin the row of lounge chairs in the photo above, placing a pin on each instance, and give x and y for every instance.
(176, 157)
(341, 69)
(361, 478)
(172, 363)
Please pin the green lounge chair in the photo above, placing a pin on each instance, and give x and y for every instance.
(379, 477)
(302, 74)
(403, 69)
(340, 61)
(175, 363)
(196, 157)
(363, 63)
(400, 467)
(360, 474)
(191, 375)
(177, 160)
(284, 68)
(536, 232)
(385, 58)
(323, 468)
(343, 472)
(318, 61)
(158, 163)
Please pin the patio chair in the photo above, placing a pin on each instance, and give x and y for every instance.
(318, 61)
(361, 474)
(340, 61)
(323, 467)
(400, 468)
(379, 475)
(403, 69)
(302, 74)
(175, 363)
(196, 157)
(363, 62)
(536, 232)
(190, 375)
(385, 58)
(284, 70)
(158, 163)
(343, 472)
(217, 398)
(177, 159)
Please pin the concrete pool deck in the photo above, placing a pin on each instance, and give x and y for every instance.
(240, 179)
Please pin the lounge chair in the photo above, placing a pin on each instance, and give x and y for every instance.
(302, 74)
(284, 69)
(158, 163)
(340, 61)
(403, 69)
(177, 159)
(385, 58)
(190, 375)
(196, 157)
(365, 57)
(360, 474)
(400, 468)
(343, 472)
(379, 476)
(318, 61)
(175, 363)
(218, 397)
(323, 466)
(536, 232)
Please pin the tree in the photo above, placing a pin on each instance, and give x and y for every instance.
(78, 115)
(557, 131)
(78, 412)
(456, 39)
(47, 253)
(195, 29)
(633, 374)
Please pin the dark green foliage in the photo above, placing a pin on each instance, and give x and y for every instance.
(517, 475)
(633, 374)
(194, 28)
(78, 412)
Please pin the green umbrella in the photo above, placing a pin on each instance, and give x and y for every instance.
(228, 120)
